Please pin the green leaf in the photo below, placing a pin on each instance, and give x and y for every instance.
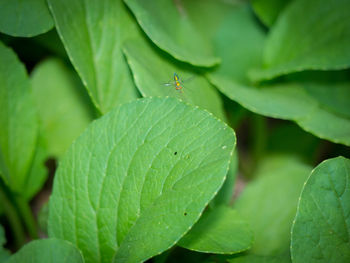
(293, 102)
(239, 42)
(47, 251)
(335, 98)
(197, 90)
(268, 10)
(269, 203)
(199, 9)
(92, 33)
(24, 18)
(63, 106)
(283, 101)
(221, 231)
(169, 26)
(138, 178)
(4, 253)
(305, 42)
(301, 102)
(327, 125)
(22, 150)
(321, 227)
(18, 122)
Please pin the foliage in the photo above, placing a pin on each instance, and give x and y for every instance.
(321, 224)
(133, 107)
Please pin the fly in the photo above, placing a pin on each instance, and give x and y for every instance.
(177, 83)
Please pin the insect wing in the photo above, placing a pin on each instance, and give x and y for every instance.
(188, 79)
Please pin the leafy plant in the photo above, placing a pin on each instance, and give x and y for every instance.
(132, 108)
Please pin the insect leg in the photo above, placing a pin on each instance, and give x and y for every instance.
(169, 84)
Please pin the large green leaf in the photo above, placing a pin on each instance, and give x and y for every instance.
(170, 27)
(319, 108)
(308, 35)
(221, 231)
(64, 108)
(150, 82)
(293, 102)
(321, 228)
(269, 203)
(47, 251)
(18, 122)
(138, 178)
(283, 101)
(268, 10)
(24, 18)
(92, 32)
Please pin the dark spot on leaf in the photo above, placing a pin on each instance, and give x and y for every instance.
(185, 214)
(175, 153)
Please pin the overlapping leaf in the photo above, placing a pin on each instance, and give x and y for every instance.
(334, 97)
(24, 18)
(221, 231)
(19, 127)
(64, 108)
(270, 203)
(170, 27)
(321, 229)
(47, 251)
(92, 32)
(294, 101)
(298, 42)
(138, 178)
(268, 10)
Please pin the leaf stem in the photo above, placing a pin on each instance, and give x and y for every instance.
(27, 216)
(12, 216)
(259, 127)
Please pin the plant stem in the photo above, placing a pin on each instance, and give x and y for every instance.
(12, 216)
(235, 119)
(259, 126)
(27, 216)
